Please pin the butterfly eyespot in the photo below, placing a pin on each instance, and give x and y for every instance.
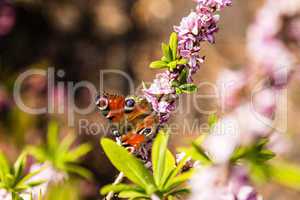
(129, 104)
(146, 131)
(116, 133)
(102, 103)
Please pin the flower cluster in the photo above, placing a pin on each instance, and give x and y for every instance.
(213, 4)
(248, 123)
(199, 26)
(266, 43)
(7, 17)
(212, 184)
(161, 94)
(254, 120)
(182, 57)
(47, 173)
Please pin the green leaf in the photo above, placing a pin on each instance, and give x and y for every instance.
(76, 169)
(167, 52)
(286, 174)
(171, 197)
(21, 188)
(36, 183)
(262, 143)
(118, 188)
(197, 153)
(170, 165)
(176, 171)
(158, 64)
(175, 83)
(9, 180)
(132, 168)
(52, 136)
(38, 153)
(180, 192)
(15, 196)
(188, 88)
(66, 143)
(159, 151)
(173, 44)
(201, 152)
(133, 195)
(4, 166)
(19, 166)
(212, 120)
(172, 65)
(265, 155)
(238, 154)
(164, 59)
(74, 155)
(180, 179)
(178, 90)
(259, 172)
(183, 76)
(182, 61)
(24, 180)
(255, 153)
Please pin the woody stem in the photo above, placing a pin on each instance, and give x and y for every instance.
(118, 180)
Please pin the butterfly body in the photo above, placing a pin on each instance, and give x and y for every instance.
(133, 121)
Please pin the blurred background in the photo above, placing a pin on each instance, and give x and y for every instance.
(82, 37)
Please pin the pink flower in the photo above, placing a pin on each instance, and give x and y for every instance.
(197, 27)
(294, 30)
(251, 124)
(49, 175)
(264, 102)
(214, 4)
(223, 139)
(7, 18)
(4, 100)
(5, 195)
(242, 127)
(161, 85)
(162, 95)
(279, 143)
(211, 183)
(230, 83)
(266, 49)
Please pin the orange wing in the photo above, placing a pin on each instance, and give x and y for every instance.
(129, 112)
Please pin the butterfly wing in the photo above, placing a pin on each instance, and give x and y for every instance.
(132, 118)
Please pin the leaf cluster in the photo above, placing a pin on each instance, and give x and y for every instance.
(60, 154)
(166, 181)
(170, 59)
(13, 179)
(196, 152)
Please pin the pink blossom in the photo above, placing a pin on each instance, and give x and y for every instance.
(161, 85)
(251, 124)
(48, 174)
(211, 183)
(279, 143)
(264, 102)
(7, 18)
(5, 195)
(197, 27)
(230, 83)
(242, 127)
(223, 139)
(265, 47)
(214, 4)
(4, 100)
(162, 95)
(294, 30)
